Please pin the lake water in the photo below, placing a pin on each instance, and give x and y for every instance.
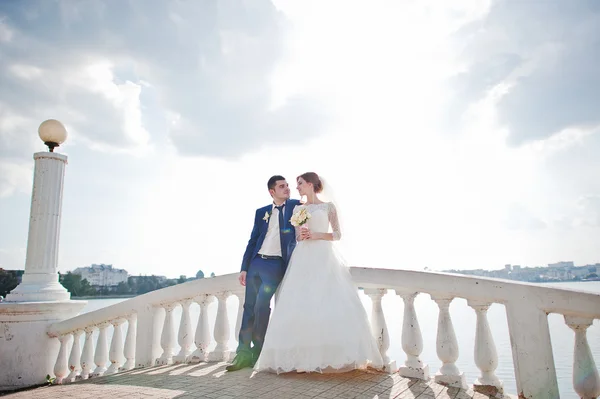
(463, 318)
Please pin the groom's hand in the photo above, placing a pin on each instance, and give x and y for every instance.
(242, 278)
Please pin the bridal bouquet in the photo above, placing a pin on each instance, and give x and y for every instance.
(301, 217)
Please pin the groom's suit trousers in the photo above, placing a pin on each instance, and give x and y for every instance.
(262, 280)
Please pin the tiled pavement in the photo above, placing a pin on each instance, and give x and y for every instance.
(210, 380)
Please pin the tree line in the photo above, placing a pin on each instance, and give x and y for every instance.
(78, 286)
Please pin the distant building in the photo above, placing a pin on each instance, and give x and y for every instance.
(102, 275)
(561, 264)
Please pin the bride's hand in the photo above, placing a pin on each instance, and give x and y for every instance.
(305, 233)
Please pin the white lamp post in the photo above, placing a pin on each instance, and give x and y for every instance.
(40, 280)
(27, 352)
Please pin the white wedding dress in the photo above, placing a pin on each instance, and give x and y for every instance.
(319, 323)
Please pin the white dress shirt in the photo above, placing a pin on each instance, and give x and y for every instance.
(272, 244)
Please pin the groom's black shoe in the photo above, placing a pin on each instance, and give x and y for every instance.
(241, 361)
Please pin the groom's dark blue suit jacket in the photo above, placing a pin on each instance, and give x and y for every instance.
(288, 242)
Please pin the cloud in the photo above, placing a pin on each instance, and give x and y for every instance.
(589, 206)
(519, 217)
(209, 64)
(14, 177)
(545, 54)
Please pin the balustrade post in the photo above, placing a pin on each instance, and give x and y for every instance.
(101, 356)
(241, 295)
(61, 366)
(221, 330)
(379, 327)
(586, 380)
(129, 350)
(486, 357)
(185, 337)
(202, 338)
(447, 346)
(75, 357)
(116, 347)
(87, 357)
(531, 350)
(412, 340)
(167, 338)
(149, 326)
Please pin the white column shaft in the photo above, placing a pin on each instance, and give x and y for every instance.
(40, 280)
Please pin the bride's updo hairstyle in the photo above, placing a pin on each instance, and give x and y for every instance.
(313, 178)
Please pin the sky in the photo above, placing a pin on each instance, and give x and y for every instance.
(459, 135)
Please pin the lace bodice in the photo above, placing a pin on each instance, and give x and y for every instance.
(323, 215)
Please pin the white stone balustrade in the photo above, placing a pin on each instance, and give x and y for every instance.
(586, 380)
(61, 368)
(87, 357)
(241, 296)
(75, 357)
(379, 327)
(202, 337)
(526, 306)
(486, 357)
(101, 355)
(130, 341)
(116, 347)
(412, 340)
(185, 337)
(221, 330)
(447, 346)
(167, 340)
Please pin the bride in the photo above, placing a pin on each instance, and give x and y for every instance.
(319, 323)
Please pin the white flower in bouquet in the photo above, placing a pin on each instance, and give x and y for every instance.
(300, 217)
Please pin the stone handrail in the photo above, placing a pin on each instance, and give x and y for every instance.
(527, 307)
(549, 299)
(154, 298)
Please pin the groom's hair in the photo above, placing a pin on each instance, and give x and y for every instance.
(273, 181)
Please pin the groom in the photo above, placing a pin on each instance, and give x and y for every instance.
(268, 252)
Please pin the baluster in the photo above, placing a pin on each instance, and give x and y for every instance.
(185, 338)
(486, 357)
(221, 331)
(167, 338)
(129, 350)
(241, 295)
(101, 356)
(61, 366)
(586, 380)
(202, 338)
(75, 358)
(87, 358)
(412, 341)
(116, 347)
(447, 347)
(379, 327)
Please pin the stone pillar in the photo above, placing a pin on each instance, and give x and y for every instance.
(28, 353)
(40, 280)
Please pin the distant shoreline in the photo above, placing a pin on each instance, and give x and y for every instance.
(591, 280)
(104, 297)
